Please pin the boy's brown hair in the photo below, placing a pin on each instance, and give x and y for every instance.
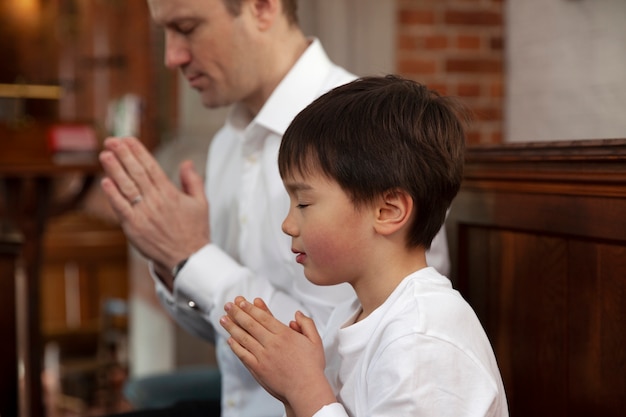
(377, 134)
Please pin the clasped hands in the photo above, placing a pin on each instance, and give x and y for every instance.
(287, 360)
(166, 224)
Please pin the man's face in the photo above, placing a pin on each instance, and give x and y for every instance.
(214, 50)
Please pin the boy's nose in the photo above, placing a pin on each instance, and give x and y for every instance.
(288, 226)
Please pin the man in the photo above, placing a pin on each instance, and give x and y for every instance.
(250, 54)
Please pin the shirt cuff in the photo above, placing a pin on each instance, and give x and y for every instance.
(331, 410)
(206, 276)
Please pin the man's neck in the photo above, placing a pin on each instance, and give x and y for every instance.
(282, 57)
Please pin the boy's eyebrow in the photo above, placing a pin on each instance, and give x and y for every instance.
(293, 187)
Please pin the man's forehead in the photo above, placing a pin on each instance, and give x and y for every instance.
(166, 10)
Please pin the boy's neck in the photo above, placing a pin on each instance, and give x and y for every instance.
(374, 289)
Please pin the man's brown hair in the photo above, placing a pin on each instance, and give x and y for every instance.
(290, 9)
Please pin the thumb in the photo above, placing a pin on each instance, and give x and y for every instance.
(190, 181)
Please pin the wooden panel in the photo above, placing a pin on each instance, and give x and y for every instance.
(538, 238)
(597, 320)
(85, 263)
(53, 301)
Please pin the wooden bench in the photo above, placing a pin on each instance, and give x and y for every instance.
(538, 241)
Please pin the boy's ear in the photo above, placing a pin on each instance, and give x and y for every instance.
(393, 211)
(264, 12)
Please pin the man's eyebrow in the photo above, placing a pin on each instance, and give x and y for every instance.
(179, 20)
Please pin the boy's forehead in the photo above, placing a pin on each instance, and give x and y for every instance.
(301, 180)
(295, 180)
(302, 171)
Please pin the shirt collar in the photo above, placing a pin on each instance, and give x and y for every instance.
(302, 84)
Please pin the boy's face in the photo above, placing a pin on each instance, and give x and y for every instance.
(330, 236)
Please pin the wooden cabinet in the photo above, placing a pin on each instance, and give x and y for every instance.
(84, 264)
(84, 314)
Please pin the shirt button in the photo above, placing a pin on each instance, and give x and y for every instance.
(192, 304)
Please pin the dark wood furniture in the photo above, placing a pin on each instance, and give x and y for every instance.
(28, 174)
(10, 244)
(538, 239)
(95, 52)
(84, 313)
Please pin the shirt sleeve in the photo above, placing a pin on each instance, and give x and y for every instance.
(211, 276)
(191, 303)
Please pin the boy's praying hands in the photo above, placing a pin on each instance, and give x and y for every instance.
(288, 361)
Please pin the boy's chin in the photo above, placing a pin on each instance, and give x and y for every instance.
(319, 279)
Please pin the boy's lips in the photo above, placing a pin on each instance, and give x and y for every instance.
(300, 256)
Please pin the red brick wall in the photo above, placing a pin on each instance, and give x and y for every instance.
(456, 47)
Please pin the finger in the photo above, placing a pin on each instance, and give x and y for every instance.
(256, 322)
(118, 175)
(240, 336)
(238, 300)
(295, 326)
(308, 328)
(240, 351)
(151, 174)
(245, 356)
(124, 150)
(191, 182)
(120, 204)
(258, 302)
(259, 311)
(110, 142)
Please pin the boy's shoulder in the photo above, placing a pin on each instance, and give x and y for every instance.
(425, 303)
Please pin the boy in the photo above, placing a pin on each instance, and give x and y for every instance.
(371, 169)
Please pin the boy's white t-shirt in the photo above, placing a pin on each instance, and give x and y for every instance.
(421, 353)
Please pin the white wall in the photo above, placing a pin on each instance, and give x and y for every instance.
(357, 34)
(566, 68)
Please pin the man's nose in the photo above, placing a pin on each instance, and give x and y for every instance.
(176, 52)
